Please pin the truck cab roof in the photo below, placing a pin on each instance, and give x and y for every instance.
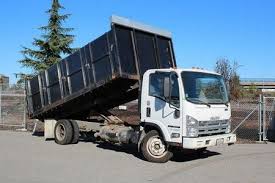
(179, 70)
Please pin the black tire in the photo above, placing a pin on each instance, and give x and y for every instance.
(63, 132)
(150, 151)
(75, 137)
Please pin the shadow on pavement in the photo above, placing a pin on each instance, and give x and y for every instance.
(190, 155)
(38, 134)
(179, 155)
(125, 148)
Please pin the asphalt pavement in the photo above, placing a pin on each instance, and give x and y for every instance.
(26, 159)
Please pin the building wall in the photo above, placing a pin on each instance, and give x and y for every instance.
(4, 82)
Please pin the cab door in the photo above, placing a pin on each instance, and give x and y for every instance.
(165, 111)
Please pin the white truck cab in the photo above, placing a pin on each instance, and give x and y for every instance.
(187, 107)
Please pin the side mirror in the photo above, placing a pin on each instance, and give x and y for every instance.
(166, 87)
(177, 113)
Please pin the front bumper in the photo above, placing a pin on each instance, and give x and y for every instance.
(201, 142)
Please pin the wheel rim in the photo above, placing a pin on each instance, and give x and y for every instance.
(156, 147)
(60, 132)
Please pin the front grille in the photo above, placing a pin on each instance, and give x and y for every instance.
(213, 127)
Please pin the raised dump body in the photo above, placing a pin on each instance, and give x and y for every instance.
(101, 75)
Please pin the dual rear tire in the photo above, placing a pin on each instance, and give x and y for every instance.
(66, 132)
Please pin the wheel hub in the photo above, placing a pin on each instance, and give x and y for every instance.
(60, 132)
(156, 147)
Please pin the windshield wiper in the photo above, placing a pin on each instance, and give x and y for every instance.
(159, 97)
(202, 102)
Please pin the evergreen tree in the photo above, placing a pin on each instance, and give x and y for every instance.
(54, 43)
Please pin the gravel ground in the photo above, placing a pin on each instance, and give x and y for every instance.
(26, 159)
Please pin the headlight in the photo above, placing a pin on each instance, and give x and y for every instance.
(192, 132)
(190, 121)
(191, 126)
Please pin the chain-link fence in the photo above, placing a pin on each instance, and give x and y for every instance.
(245, 120)
(254, 120)
(269, 118)
(12, 107)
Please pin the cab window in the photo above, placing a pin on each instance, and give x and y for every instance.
(156, 87)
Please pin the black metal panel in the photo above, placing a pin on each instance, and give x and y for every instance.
(77, 82)
(55, 93)
(164, 50)
(74, 72)
(29, 97)
(101, 59)
(36, 101)
(103, 70)
(44, 97)
(100, 47)
(34, 85)
(53, 75)
(35, 93)
(74, 63)
(87, 62)
(146, 51)
(65, 85)
(126, 51)
(113, 51)
(53, 87)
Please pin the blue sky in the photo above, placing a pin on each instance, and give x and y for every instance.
(203, 31)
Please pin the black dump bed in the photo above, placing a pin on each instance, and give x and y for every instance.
(101, 75)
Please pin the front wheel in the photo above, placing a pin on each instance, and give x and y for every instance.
(154, 148)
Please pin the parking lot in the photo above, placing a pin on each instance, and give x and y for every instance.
(26, 158)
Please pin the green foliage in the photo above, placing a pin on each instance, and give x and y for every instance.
(54, 43)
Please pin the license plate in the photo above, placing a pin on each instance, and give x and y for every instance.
(220, 141)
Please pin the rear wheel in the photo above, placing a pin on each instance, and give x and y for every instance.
(75, 137)
(63, 132)
(154, 148)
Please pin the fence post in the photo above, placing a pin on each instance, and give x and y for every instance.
(260, 117)
(24, 115)
(264, 119)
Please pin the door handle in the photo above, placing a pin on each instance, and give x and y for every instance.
(148, 112)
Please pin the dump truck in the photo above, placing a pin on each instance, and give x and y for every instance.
(181, 108)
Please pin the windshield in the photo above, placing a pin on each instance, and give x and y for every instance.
(204, 88)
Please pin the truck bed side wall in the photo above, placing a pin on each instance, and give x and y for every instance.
(100, 74)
